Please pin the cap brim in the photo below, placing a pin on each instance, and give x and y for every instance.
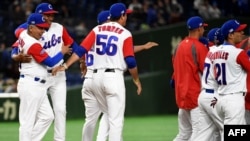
(43, 25)
(129, 11)
(241, 27)
(50, 12)
(205, 24)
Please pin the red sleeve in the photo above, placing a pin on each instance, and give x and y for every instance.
(201, 55)
(128, 47)
(67, 40)
(89, 41)
(243, 60)
(37, 52)
(15, 44)
(18, 31)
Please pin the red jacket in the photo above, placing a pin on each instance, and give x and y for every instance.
(188, 63)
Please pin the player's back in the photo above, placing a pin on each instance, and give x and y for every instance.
(230, 76)
(110, 46)
(208, 78)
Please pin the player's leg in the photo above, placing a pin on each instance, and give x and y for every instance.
(30, 94)
(237, 103)
(92, 111)
(103, 130)
(247, 116)
(45, 117)
(184, 125)
(194, 115)
(58, 94)
(206, 129)
(115, 95)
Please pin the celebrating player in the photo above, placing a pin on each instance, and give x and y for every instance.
(92, 110)
(113, 54)
(35, 112)
(52, 40)
(190, 54)
(230, 73)
(210, 122)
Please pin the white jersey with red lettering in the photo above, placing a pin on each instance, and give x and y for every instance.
(210, 122)
(35, 112)
(112, 43)
(230, 76)
(108, 44)
(34, 68)
(231, 79)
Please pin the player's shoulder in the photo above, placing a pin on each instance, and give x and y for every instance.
(56, 25)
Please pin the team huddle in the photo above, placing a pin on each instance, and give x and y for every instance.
(104, 55)
(213, 89)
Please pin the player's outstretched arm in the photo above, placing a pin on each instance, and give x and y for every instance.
(148, 45)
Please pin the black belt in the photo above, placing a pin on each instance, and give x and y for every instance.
(35, 79)
(106, 70)
(211, 91)
(49, 71)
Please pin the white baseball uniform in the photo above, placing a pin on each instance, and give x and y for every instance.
(112, 43)
(52, 41)
(35, 112)
(92, 108)
(231, 78)
(210, 124)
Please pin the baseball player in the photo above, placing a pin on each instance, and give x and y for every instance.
(244, 44)
(230, 69)
(52, 40)
(190, 54)
(113, 55)
(92, 110)
(35, 112)
(211, 124)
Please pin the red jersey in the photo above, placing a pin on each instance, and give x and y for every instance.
(188, 64)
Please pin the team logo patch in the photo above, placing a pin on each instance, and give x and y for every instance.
(50, 6)
(42, 51)
(43, 19)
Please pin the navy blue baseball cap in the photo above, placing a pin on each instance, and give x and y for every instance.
(103, 16)
(215, 34)
(118, 9)
(45, 8)
(37, 20)
(231, 26)
(204, 41)
(195, 22)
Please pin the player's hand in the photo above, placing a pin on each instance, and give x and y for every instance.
(56, 69)
(83, 67)
(213, 102)
(137, 83)
(149, 45)
(66, 49)
(21, 57)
